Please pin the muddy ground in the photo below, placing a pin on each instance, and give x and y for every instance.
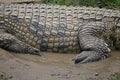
(53, 66)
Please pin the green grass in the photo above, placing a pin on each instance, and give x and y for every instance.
(3, 76)
(115, 77)
(113, 4)
(72, 2)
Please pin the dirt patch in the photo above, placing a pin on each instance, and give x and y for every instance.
(53, 66)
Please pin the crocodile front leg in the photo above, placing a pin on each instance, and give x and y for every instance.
(94, 49)
(11, 43)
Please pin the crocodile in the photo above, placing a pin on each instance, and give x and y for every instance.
(36, 28)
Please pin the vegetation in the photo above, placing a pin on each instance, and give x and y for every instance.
(72, 2)
(112, 3)
(3, 76)
(115, 77)
(105, 3)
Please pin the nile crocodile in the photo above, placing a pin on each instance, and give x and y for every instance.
(33, 28)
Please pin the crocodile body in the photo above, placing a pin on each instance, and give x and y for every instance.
(58, 29)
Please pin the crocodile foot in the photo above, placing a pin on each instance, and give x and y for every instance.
(89, 56)
(11, 43)
(35, 51)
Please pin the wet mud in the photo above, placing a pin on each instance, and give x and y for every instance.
(54, 66)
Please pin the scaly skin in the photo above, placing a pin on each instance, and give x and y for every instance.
(59, 29)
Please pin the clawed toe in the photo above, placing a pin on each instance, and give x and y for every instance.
(37, 52)
(89, 56)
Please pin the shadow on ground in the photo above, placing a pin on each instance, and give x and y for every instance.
(53, 66)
